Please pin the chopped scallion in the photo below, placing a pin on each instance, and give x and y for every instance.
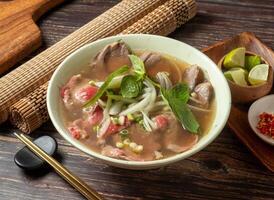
(114, 120)
(124, 134)
(130, 117)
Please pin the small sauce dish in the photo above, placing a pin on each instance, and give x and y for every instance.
(264, 104)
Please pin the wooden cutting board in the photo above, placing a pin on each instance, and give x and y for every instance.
(19, 35)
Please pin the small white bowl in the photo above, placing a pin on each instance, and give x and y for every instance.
(264, 104)
(80, 59)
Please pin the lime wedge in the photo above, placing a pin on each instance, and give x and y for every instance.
(237, 75)
(228, 75)
(258, 74)
(252, 61)
(235, 58)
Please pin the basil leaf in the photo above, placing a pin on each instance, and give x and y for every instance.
(185, 116)
(104, 87)
(177, 98)
(181, 92)
(138, 66)
(131, 86)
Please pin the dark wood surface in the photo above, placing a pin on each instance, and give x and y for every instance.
(226, 169)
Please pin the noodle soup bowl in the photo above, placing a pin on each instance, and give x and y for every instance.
(80, 59)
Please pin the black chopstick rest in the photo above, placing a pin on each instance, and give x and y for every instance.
(27, 160)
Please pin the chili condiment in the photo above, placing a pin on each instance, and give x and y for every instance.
(266, 124)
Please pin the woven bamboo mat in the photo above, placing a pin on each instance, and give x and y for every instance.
(30, 112)
(29, 76)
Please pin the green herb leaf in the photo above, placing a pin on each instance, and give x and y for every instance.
(185, 116)
(131, 87)
(104, 87)
(181, 92)
(120, 98)
(177, 98)
(153, 82)
(138, 66)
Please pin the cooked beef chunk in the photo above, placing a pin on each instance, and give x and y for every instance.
(203, 93)
(193, 75)
(179, 144)
(155, 63)
(116, 49)
(150, 58)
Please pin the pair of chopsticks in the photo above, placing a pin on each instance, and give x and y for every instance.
(76, 182)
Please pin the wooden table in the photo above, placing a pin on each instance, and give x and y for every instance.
(224, 170)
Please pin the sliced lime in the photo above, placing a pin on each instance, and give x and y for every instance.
(252, 61)
(237, 75)
(258, 74)
(235, 58)
(228, 75)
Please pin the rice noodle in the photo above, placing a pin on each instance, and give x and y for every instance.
(198, 109)
(160, 103)
(137, 107)
(147, 126)
(194, 100)
(131, 105)
(106, 120)
(116, 82)
(101, 103)
(178, 69)
(153, 97)
(106, 110)
(149, 98)
(148, 123)
(142, 96)
(163, 79)
(116, 108)
(104, 127)
(122, 120)
(99, 83)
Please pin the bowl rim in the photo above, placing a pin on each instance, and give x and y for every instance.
(140, 164)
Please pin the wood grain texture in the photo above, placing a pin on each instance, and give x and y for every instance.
(224, 170)
(19, 35)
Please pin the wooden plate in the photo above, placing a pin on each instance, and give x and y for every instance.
(238, 120)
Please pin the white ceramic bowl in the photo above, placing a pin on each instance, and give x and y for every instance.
(264, 104)
(79, 60)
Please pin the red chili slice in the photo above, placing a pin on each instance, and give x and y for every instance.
(266, 124)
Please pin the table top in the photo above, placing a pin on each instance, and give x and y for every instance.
(225, 169)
